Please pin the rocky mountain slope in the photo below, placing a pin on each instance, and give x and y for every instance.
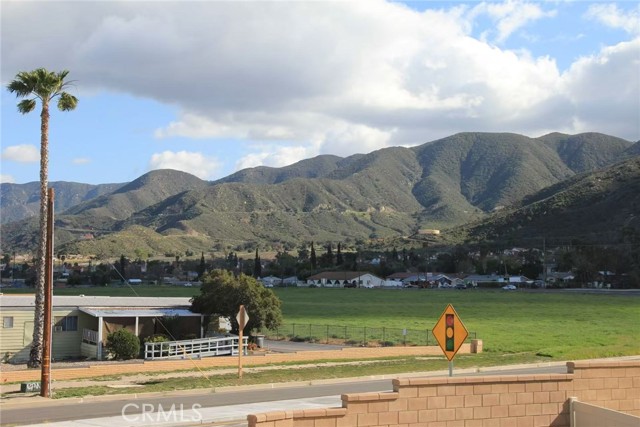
(390, 192)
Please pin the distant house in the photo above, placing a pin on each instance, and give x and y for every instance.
(560, 277)
(338, 279)
(475, 279)
(290, 281)
(400, 276)
(81, 324)
(270, 280)
(519, 279)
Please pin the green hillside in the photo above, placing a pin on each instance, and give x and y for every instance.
(388, 193)
(19, 201)
(597, 207)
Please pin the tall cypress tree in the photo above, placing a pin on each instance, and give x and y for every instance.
(202, 268)
(314, 261)
(339, 260)
(257, 266)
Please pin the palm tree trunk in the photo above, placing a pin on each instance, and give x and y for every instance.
(35, 355)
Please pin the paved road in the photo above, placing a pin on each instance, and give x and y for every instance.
(292, 347)
(213, 407)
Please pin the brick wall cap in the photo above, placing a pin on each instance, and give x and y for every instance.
(605, 364)
(369, 397)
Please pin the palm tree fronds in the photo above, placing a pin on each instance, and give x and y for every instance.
(67, 102)
(26, 105)
(19, 87)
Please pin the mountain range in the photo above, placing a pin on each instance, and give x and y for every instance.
(474, 185)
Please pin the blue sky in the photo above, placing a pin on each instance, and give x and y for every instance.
(211, 87)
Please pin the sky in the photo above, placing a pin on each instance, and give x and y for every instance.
(213, 87)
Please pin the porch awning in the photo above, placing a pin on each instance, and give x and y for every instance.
(138, 312)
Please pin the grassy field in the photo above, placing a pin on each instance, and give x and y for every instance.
(557, 325)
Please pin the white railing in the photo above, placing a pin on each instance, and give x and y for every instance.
(89, 336)
(197, 348)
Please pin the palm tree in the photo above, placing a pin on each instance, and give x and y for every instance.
(43, 85)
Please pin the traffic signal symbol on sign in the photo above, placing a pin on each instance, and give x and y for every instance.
(450, 332)
(450, 343)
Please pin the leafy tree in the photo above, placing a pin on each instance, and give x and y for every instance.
(101, 276)
(46, 86)
(74, 279)
(285, 264)
(232, 261)
(339, 259)
(123, 344)
(303, 254)
(222, 294)
(326, 260)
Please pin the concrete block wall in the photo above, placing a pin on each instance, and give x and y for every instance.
(496, 401)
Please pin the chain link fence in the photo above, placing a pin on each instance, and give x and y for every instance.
(353, 335)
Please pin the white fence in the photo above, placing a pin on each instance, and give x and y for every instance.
(197, 348)
(586, 415)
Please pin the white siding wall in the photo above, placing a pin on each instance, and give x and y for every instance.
(15, 343)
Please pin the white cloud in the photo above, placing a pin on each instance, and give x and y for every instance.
(197, 127)
(297, 79)
(275, 156)
(611, 75)
(194, 163)
(509, 16)
(6, 179)
(24, 153)
(611, 16)
(81, 161)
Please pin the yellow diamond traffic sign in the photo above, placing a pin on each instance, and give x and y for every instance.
(450, 332)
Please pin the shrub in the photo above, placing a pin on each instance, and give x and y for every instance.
(156, 338)
(123, 344)
(164, 349)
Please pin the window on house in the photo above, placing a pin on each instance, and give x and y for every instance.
(65, 323)
(7, 322)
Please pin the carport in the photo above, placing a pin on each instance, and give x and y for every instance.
(143, 322)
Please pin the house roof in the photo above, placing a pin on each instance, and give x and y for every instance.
(28, 301)
(401, 275)
(339, 275)
(138, 312)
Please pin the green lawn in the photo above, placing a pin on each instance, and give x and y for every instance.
(552, 324)
(558, 325)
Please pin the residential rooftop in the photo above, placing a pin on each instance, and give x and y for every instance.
(27, 301)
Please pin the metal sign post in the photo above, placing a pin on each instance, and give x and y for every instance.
(243, 318)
